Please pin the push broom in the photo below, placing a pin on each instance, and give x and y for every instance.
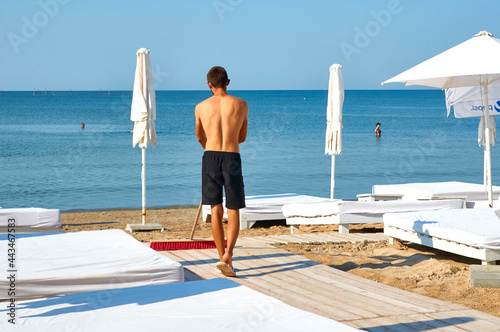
(184, 244)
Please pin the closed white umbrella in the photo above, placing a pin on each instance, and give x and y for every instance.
(143, 113)
(333, 144)
(474, 62)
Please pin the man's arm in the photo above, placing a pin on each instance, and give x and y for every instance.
(244, 127)
(200, 132)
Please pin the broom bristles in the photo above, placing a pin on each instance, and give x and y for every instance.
(182, 245)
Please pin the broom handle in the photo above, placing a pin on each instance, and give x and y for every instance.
(196, 220)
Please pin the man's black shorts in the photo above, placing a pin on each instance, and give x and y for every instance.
(222, 169)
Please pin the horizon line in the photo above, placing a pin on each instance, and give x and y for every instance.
(196, 90)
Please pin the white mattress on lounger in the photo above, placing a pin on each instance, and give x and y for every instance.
(208, 305)
(31, 217)
(355, 207)
(51, 264)
(473, 192)
(474, 227)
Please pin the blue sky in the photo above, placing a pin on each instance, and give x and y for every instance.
(264, 44)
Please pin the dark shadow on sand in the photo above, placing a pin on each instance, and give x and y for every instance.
(92, 223)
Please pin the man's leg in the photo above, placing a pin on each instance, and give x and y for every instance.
(218, 229)
(233, 229)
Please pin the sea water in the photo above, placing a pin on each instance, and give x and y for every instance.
(47, 160)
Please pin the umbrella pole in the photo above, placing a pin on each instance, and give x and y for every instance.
(485, 167)
(332, 187)
(487, 148)
(143, 177)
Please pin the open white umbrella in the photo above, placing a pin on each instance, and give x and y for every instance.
(333, 144)
(474, 62)
(143, 113)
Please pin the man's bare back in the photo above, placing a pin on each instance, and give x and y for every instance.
(221, 122)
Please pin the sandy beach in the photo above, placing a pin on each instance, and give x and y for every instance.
(406, 266)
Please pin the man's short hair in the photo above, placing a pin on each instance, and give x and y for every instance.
(217, 76)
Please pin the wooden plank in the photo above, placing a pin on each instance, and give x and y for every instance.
(308, 279)
(339, 276)
(365, 296)
(263, 278)
(295, 299)
(249, 242)
(261, 239)
(383, 291)
(483, 316)
(324, 238)
(355, 237)
(279, 239)
(279, 282)
(375, 237)
(289, 239)
(336, 276)
(295, 238)
(309, 239)
(335, 238)
(484, 276)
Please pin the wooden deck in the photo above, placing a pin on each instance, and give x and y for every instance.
(329, 292)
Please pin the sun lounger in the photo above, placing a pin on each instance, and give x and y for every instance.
(62, 263)
(30, 220)
(345, 213)
(207, 305)
(265, 207)
(472, 233)
(437, 190)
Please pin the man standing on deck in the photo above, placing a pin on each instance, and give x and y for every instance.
(221, 125)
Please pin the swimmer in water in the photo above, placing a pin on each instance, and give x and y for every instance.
(377, 130)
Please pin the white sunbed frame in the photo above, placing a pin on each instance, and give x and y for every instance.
(26, 230)
(486, 256)
(343, 220)
(247, 220)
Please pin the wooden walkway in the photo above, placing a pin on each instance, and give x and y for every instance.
(329, 292)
